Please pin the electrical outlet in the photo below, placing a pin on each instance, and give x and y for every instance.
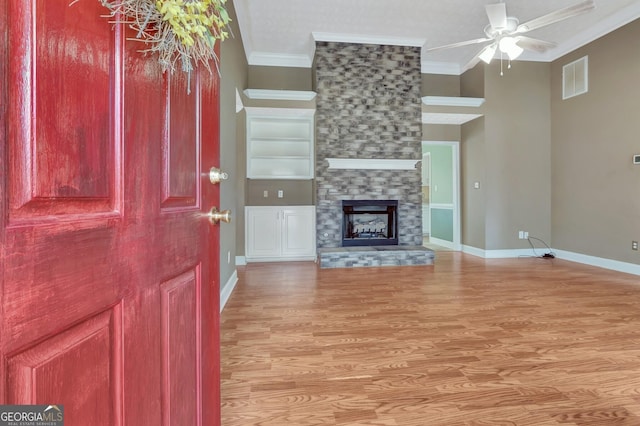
(634, 245)
(280, 193)
(265, 194)
(526, 235)
(521, 235)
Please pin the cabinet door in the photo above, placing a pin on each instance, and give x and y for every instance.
(263, 232)
(298, 231)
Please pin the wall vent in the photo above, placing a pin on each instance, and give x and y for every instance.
(575, 78)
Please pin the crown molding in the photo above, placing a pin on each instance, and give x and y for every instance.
(368, 39)
(445, 68)
(280, 60)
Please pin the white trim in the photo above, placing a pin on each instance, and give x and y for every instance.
(267, 59)
(497, 254)
(594, 32)
(442, 243)
(442, 206)
(615, 265)
(447, 118)
(600, 262)
(239, 104)
(368, 39)
(457, 224)
(456, 101)
(473, 251)
(241, 261)
(228, 288)
(258, 259)
(371, 164)
(280, 95)
(446, 68)
(281, 112)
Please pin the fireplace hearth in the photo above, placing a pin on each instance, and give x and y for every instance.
(369, 222)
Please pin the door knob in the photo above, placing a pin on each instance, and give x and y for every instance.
(216, 216)
(216, 175)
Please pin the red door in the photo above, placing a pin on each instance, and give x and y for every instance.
(109, 286)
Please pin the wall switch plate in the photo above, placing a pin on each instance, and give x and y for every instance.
(280, 193)
(265, 194)
(476, 185)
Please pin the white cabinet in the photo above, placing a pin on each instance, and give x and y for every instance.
(280, 233)
(280, 143)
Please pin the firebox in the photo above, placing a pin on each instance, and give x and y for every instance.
(369, 222)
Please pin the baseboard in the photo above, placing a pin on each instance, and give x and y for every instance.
(280, 259)
(615, 265)
(227, 289)
(241, 261)
(441, 243)
(497, 254)
(600, 262)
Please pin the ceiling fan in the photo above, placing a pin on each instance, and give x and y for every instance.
(505, 32)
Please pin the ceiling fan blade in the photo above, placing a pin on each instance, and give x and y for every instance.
(534, 44)
(497, 14)
(557, 16)
(459, 44)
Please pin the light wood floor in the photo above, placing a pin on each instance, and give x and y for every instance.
(465, 342)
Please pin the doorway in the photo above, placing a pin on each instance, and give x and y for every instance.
(442, 209)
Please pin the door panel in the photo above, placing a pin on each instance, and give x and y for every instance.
(181, 144)
(62, 152)
(41, 373)
(109, 266)
(181, 322)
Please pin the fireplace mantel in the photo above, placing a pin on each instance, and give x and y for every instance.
(371, 163)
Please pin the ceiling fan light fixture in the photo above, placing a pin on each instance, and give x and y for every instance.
(487, 53)
(509, 46)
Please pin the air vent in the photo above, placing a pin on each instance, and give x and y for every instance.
(575, 78)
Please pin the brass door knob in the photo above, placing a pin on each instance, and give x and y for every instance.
(216, 216)
(216, 175)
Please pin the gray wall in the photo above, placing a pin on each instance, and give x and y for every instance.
(517, 125)
(368, 106)
(596, 188)
(508, 153)
(472, 169)
(233, 75)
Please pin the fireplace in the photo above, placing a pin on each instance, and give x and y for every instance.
(369, 222)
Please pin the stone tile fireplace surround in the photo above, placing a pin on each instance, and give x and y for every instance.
(367, 107)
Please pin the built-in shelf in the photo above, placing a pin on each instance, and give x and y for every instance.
(450, 117)
(280, 143)
(456, 101)
(280, 95)
(372, 164)
(447, 118)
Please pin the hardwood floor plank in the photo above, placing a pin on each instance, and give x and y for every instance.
(465, 342)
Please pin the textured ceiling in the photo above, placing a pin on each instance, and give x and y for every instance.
(283, 32)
